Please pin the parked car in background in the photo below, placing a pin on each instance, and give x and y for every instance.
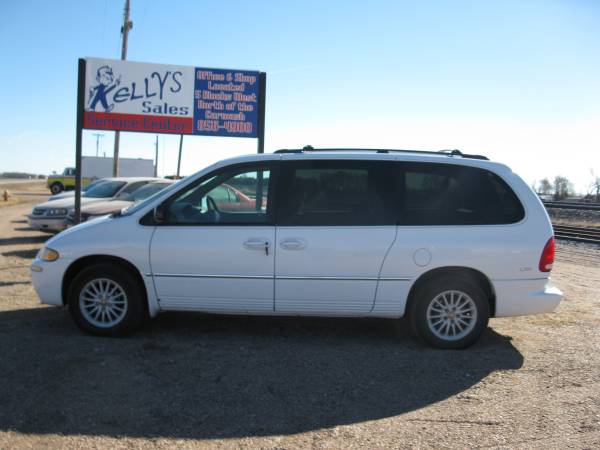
(52, 215)
(447, 239)
(71, 193)
(115, 205)
(96, 167)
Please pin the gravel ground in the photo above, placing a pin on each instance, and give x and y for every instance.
(190, 380)
(575, 217)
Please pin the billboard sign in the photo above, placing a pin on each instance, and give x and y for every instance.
(225, 102)
(158, 98)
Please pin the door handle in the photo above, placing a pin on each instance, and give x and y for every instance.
(257, 244)
(293, 244)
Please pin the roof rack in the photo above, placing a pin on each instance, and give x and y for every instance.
(309, 148)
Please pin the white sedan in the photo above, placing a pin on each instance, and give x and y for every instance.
(114, 205)
(71, 193)
(52, 215)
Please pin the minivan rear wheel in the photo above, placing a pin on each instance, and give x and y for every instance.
(449, 312)
(106, 300)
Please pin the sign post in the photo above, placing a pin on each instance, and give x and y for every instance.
(262, 94)
(123, 95)
(78, 136)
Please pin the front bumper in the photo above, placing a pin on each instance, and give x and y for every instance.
(47, 223)
(47, 277)
(525, 297)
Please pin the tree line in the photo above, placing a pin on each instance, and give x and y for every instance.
(22, 175)
(561, 187)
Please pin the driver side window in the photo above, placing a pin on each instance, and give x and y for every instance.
(233, 197)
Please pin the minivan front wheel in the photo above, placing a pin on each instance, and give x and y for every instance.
(105, 300)
(450, 312)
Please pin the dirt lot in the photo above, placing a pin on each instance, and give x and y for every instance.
(21, 191)
(189, 381)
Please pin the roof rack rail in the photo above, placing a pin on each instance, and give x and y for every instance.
(309, 148)
(456, 152)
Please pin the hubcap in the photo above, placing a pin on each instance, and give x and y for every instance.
(103, 302)
(451, 315)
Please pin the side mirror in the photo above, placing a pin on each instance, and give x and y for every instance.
(160, 213)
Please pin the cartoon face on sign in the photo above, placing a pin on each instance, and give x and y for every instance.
(106, 83)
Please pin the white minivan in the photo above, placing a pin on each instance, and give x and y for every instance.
(445, 238)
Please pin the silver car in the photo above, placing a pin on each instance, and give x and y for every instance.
(71, 193)
(114, 205)
(52, 215)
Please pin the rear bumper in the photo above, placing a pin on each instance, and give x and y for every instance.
(524, 297)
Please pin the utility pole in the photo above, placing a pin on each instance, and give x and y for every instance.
(156, 158)
(98, 136)
(127, 25)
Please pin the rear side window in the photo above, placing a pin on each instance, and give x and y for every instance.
(446, 194)
(336, 193)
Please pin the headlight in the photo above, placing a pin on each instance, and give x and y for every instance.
(57, 212)
(47, 254)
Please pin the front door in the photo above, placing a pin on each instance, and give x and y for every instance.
(335, 224)
(214, 251)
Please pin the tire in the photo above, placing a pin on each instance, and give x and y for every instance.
(449, 312)
(106, 300)
(56, 188)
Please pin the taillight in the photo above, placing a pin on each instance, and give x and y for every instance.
(547, 258)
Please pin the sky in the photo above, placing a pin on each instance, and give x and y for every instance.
(518, 81)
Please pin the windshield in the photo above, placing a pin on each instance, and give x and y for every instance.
(92, 184)
(137, 206)
(145, 191)
(104, 190)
